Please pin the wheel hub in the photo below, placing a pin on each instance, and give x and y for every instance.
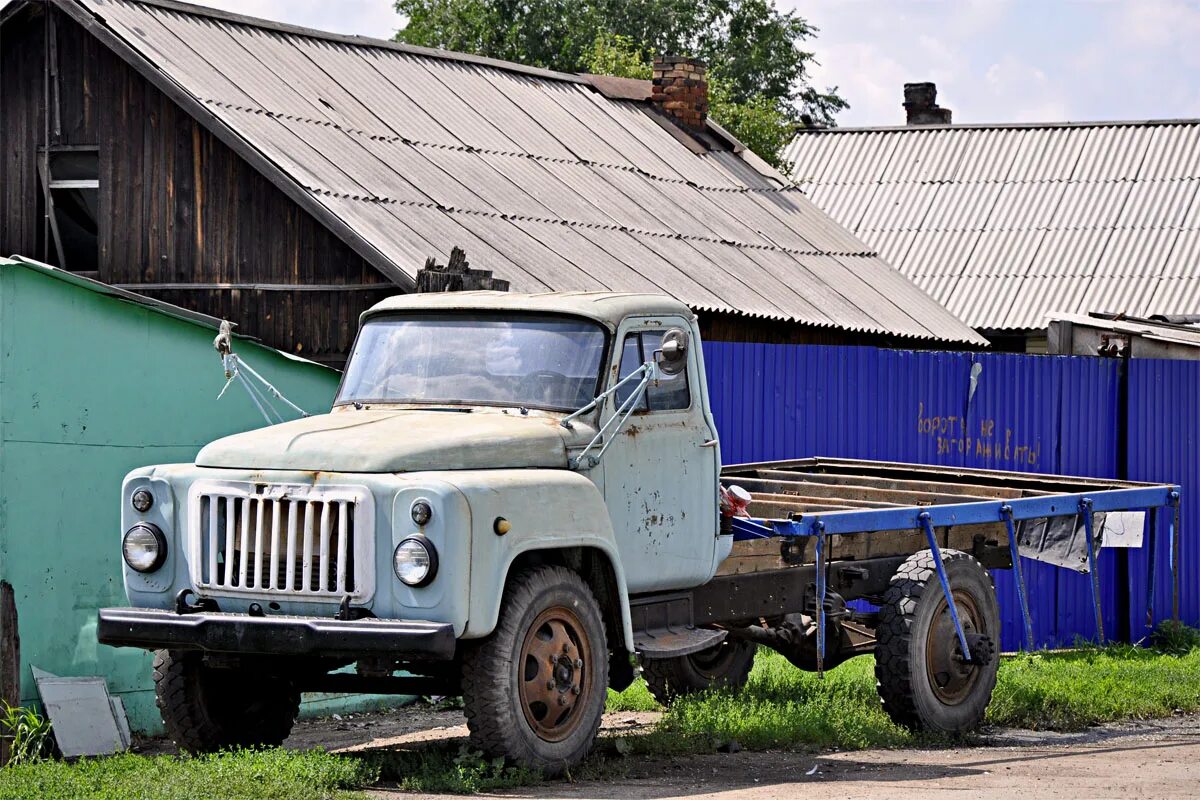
(951, 676)
(554, 673)
(564, 674)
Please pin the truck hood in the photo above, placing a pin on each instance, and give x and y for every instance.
(396, 441)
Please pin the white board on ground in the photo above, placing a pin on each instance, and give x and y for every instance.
(81, 715)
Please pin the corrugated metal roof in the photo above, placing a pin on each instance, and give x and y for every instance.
(1074, 217)
(537, 175)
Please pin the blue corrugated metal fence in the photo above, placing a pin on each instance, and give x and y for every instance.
(1164, 431)
(1047, 414)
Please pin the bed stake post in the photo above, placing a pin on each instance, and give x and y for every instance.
(1085, 508)
(819, 532)
(1006, 513)
(927, 523)
(1173, 552)
(1151, 565)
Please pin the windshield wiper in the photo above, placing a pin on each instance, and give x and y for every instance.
(359, 405)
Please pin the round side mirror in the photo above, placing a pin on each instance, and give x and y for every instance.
(672, 356)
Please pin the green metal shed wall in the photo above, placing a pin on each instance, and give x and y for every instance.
(91, 387)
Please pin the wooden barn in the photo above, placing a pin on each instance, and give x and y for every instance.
(286, 179)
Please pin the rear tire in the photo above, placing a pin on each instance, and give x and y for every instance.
(206, 709)
(534, 690)
(726, 666)
(921, 678)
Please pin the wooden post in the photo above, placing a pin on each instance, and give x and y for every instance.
(10, 657)
(457, 276)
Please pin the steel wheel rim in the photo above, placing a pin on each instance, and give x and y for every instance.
(950, 678)
(554, 674)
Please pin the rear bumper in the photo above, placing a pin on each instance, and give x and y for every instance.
(219, 632)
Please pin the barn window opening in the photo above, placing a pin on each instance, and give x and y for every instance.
(74, 210)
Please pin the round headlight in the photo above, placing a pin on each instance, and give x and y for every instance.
(422, 512)
(142, 501)
(415, 561)
(144, 547)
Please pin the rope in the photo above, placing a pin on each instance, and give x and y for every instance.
(236, 369)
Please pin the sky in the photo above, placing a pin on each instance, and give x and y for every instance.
(993, 60)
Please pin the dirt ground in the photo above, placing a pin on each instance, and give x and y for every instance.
(415, 725)
(1158, 759)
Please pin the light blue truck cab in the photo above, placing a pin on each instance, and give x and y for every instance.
(499, 474)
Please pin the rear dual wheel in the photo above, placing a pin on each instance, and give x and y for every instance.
(726, 666)
(534, 690)
(923, 678)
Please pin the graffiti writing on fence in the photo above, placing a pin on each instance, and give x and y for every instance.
(982, 439)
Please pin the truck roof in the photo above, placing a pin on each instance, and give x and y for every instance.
(608, 308)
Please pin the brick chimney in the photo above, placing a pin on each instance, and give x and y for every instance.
(920, 102)
(680, 88)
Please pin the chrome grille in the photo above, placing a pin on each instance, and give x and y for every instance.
(281, 540)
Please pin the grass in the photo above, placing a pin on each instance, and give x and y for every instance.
(1175, 638)
(27, 733)
(459, 770)
(636, 698)
(1074, 690)
(244, 775)
(781, 707)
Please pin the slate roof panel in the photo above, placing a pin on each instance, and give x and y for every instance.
(538, 175)
(1072, 215)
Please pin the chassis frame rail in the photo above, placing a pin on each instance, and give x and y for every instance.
(1009, 510)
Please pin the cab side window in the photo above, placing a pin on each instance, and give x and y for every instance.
(670, 393)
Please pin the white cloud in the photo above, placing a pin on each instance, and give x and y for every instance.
(377, 18)
(1024, 90)
(1160, 23)
(1010, 60)
(993, 60)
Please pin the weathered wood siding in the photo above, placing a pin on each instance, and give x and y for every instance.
(177, 206)
(21, 103)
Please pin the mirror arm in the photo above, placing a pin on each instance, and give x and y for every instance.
(644, 374)
(600, 398)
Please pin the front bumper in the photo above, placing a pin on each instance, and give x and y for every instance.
(220, 632)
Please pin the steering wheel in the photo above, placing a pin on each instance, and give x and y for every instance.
(536, 383)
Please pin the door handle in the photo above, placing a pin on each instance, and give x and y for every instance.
(710, 443)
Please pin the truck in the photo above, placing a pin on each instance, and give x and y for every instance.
(519, 499)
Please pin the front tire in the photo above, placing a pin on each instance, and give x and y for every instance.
(206, 709)
(726, 666)
(921, 676)
(534, 690)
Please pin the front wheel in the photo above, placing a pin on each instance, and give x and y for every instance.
(206, 709)
(534, 690)
(922, 676)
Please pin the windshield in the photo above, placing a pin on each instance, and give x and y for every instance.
(540, 362)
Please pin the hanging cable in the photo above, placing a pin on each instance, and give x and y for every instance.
(237, 369)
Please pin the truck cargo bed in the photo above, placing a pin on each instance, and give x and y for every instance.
(804, 487)
(872, 509)
(816, 512)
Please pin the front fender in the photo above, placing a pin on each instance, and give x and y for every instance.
(548, 509)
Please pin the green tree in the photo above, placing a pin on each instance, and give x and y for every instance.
(758, 69)
(614, 54)
(760, 122)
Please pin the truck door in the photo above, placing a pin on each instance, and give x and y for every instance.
(660, 473)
